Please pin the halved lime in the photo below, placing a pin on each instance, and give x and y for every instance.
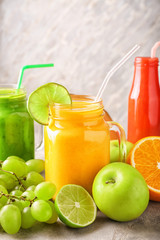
(45, 96)
(75, 206)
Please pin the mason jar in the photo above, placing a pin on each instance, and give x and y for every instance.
(77, 142)
(16, 125)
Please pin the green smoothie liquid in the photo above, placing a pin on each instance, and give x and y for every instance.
(16, 125)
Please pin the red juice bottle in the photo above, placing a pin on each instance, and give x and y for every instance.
(144, 100)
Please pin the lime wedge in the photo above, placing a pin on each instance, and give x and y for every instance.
(75, 206)
(45, 96)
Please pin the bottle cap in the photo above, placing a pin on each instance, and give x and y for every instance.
(146, 61)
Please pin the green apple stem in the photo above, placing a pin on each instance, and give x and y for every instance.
(110, 181)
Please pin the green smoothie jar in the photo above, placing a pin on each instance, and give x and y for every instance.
(16, 125)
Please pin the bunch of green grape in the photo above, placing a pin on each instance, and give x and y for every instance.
(25, 197)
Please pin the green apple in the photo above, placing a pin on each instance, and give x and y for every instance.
(120, 192)
(114, 150)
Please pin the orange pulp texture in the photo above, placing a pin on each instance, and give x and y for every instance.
(145, 157)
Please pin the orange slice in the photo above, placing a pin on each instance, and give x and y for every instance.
(145, 157)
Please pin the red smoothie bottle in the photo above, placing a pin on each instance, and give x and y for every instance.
(144, 100)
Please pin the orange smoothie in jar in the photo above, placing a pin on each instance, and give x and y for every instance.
(77, 143)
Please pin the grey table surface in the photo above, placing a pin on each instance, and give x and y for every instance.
(147, 226)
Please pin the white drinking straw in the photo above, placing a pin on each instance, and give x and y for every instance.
(154, 48)
(114, 69)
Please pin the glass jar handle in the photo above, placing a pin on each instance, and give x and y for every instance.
(40, 142)
(114, 126)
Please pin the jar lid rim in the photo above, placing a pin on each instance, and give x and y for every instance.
(9, 92)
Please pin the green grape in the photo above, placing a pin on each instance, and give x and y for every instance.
(27, 219)
(24, 184)
(9, 179)
(1, 205)
(45, 190)
(31, 188)
(18, 187)
(36, 165)
(3, 199)
(15, 158)
(41, 211)
(16, 166)
(18, 203)
(25, 203)
(30, 195)
(16, 192)
(10, 218)
(3, 183)
(54, 217)
(33, 178)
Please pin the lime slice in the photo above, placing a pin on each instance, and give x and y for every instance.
(75, 206)
(45, 96)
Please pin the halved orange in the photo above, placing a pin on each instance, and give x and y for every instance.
(145, 157)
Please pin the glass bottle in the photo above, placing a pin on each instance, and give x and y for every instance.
(144, 100)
